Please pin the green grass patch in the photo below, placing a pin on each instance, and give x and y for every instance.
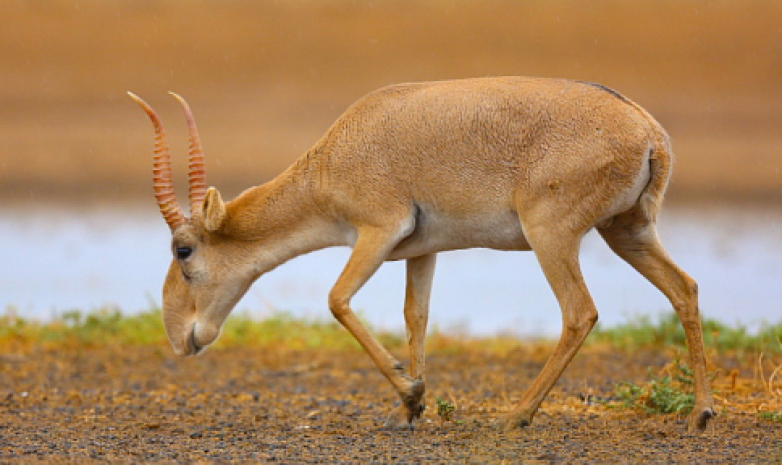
(667, 393)
(667, 331)
(100, 327)
(445, 409)
(282, 328)
(771, 416)
(108, 326)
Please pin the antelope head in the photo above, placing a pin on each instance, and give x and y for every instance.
(208, 274)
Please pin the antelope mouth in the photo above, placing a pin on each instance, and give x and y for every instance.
(192, 346)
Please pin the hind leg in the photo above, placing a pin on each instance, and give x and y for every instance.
(634, 238)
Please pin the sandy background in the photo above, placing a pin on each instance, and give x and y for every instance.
(267, 78)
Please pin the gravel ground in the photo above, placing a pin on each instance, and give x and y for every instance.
(137, 404)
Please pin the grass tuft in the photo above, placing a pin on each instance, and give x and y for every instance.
(771, 416)
(445, 409)
(664, 394)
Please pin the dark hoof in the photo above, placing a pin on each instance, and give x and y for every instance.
(513, 421)
(399, 420)
(412, 408)
(699, 419)
(413, 401)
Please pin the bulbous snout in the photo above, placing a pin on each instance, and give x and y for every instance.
(194, 339)
(193, 316)
(203, 335)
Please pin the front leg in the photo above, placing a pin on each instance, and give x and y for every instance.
(371, 249)
(420, 272)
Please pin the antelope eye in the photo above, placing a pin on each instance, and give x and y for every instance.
(183, 252)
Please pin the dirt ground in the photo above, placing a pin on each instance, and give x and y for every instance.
(249, 405)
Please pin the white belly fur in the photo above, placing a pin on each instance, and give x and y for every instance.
(438, 231)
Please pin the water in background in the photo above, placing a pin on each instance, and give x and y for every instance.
(56, 259)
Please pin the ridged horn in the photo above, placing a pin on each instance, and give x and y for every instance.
(162, 179)
(196, 165)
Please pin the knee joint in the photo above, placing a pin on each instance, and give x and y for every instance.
(687, 303)
(338, 305)
(582, 323)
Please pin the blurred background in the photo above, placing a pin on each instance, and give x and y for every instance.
(79, 227)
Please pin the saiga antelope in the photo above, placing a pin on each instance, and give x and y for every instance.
(414, 169)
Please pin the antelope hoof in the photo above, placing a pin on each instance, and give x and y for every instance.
(699, 419)
(413, 399)
(513, 420)
(399, 419)
(411, 409)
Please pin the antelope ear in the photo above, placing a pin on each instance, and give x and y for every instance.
(213, 210)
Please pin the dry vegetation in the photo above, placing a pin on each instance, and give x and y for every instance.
(267, 78)
(103, 387)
